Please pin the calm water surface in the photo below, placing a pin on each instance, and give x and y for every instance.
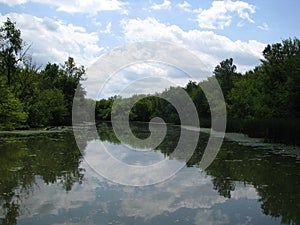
(45, 180)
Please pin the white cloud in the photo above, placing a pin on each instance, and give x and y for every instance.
(78, 6)
(54, 40)
(185, 6)
(211, 217)
(248, 192)
(107, 30)
(148, 68)
(13, 2)
(142, 78)
(208, 46)
(220, 14)
(264, 26)
(187, 189)
(165, 5)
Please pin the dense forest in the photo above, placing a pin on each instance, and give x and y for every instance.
(263, 102)
(264, 99)
(269, 91)
(31, 96)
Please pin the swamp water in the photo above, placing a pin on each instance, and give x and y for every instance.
(44, 179)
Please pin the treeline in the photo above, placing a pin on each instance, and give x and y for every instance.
(29, 96)
(258, 102)
(269, 91)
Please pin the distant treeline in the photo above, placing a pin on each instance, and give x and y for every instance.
(30, 97)
(267, 96)
(262, 102)
(269, 91)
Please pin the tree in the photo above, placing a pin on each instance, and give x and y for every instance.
(103, 108)
(11, 46)
(247, 97)
(271, 90)
(225, 73)
(11, 109)
(195, 92)
(50, 76)
(68, 81)
(70, 78)
(65, 80)
(49, 108)
(141, 111)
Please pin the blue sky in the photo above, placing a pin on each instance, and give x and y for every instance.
(87, 29)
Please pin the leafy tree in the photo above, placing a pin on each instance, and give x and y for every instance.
(50, 76)
(44, 97)
(65, 80)
(68, 81)
(225, 73)
(27, 82)
(48, 109)
(141, 111)
(103, 108)
(195, 92)
(271, 90)
(281, 68)
(11, 46)
(11, 109)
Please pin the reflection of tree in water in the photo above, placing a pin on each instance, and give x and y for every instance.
(106, 132)
(54, 157)
(140, 130)
(275, 177)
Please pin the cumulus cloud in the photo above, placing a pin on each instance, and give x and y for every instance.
(165, 5)
(211, 217)
(107, 30)
(241, 191)
(78, 6)
(211, 48)
(148, 78)
(185, 6)
(54, 40)
(264, 26)
(220, 14)
(188, 189)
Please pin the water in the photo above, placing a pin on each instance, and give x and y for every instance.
(45, 180)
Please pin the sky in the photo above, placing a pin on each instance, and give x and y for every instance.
(211, 29)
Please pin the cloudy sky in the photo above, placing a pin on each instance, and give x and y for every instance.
(214, 30)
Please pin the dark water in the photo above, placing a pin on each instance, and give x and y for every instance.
(45, 180)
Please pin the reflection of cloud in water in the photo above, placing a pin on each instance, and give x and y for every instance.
(132, 156)
(210, 217)
(104, 163)
(50, 199)
(242, 191)
(190, 188)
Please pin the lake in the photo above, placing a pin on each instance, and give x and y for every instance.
(45, 179)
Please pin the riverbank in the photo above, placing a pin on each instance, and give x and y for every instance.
(37, 130)
(245, 140)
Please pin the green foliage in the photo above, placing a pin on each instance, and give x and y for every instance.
(103, 109)
(226, 74)
(141, 111)
(30, 96)
(40, 97)
(269, 91)
(53, 157)
(48, 109)
(11, 46)
(272, 90)
(11, 109)
(199, 99)
(66, 79)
